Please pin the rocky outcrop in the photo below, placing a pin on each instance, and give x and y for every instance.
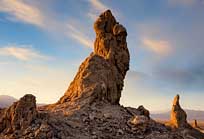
(138, 119)
(143, 111)
(178, 115)
(139, 111)
(18, 116)
(101, 75)
(179, 122)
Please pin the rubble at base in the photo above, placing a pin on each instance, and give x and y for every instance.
(99, 120)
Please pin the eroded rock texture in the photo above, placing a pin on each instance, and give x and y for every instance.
(101, 75)
(19, 115)
(178, 115)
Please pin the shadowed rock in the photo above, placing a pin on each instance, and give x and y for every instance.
(101, 75)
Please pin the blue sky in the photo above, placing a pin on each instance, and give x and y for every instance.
(43, 43)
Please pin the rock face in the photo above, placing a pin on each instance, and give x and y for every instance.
(19, 115)
(178, 115)
(101, 75)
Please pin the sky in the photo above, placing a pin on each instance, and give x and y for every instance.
(43, 43)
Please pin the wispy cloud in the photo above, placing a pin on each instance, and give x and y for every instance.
(24, 53)
(22, 12)
(97, 4)
(96, 8)
(187, 79)
(161, 47)
(77, 33)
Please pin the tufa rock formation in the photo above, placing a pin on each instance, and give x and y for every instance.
(195, 124)
(101, 75)
(18, 116)
(90, 107)
(179, 122)
(178, 115)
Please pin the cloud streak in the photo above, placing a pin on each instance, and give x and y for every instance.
(96, 8)
(76, 31)
(73, 31)
(161, 47)
(98, 5)
(22, 12)
(23, 53)
(183, 78)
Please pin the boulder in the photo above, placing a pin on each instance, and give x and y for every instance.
(143, 111)
(138, 119)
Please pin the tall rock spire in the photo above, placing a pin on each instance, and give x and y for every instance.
(178, 115)
(101, 75)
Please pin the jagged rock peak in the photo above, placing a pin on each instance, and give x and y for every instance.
(101, 75)
(176, 100)
(178, 115)
(110, 41)
(19, 115)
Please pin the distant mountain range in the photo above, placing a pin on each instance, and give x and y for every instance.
(191, 115)
(6, 101)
